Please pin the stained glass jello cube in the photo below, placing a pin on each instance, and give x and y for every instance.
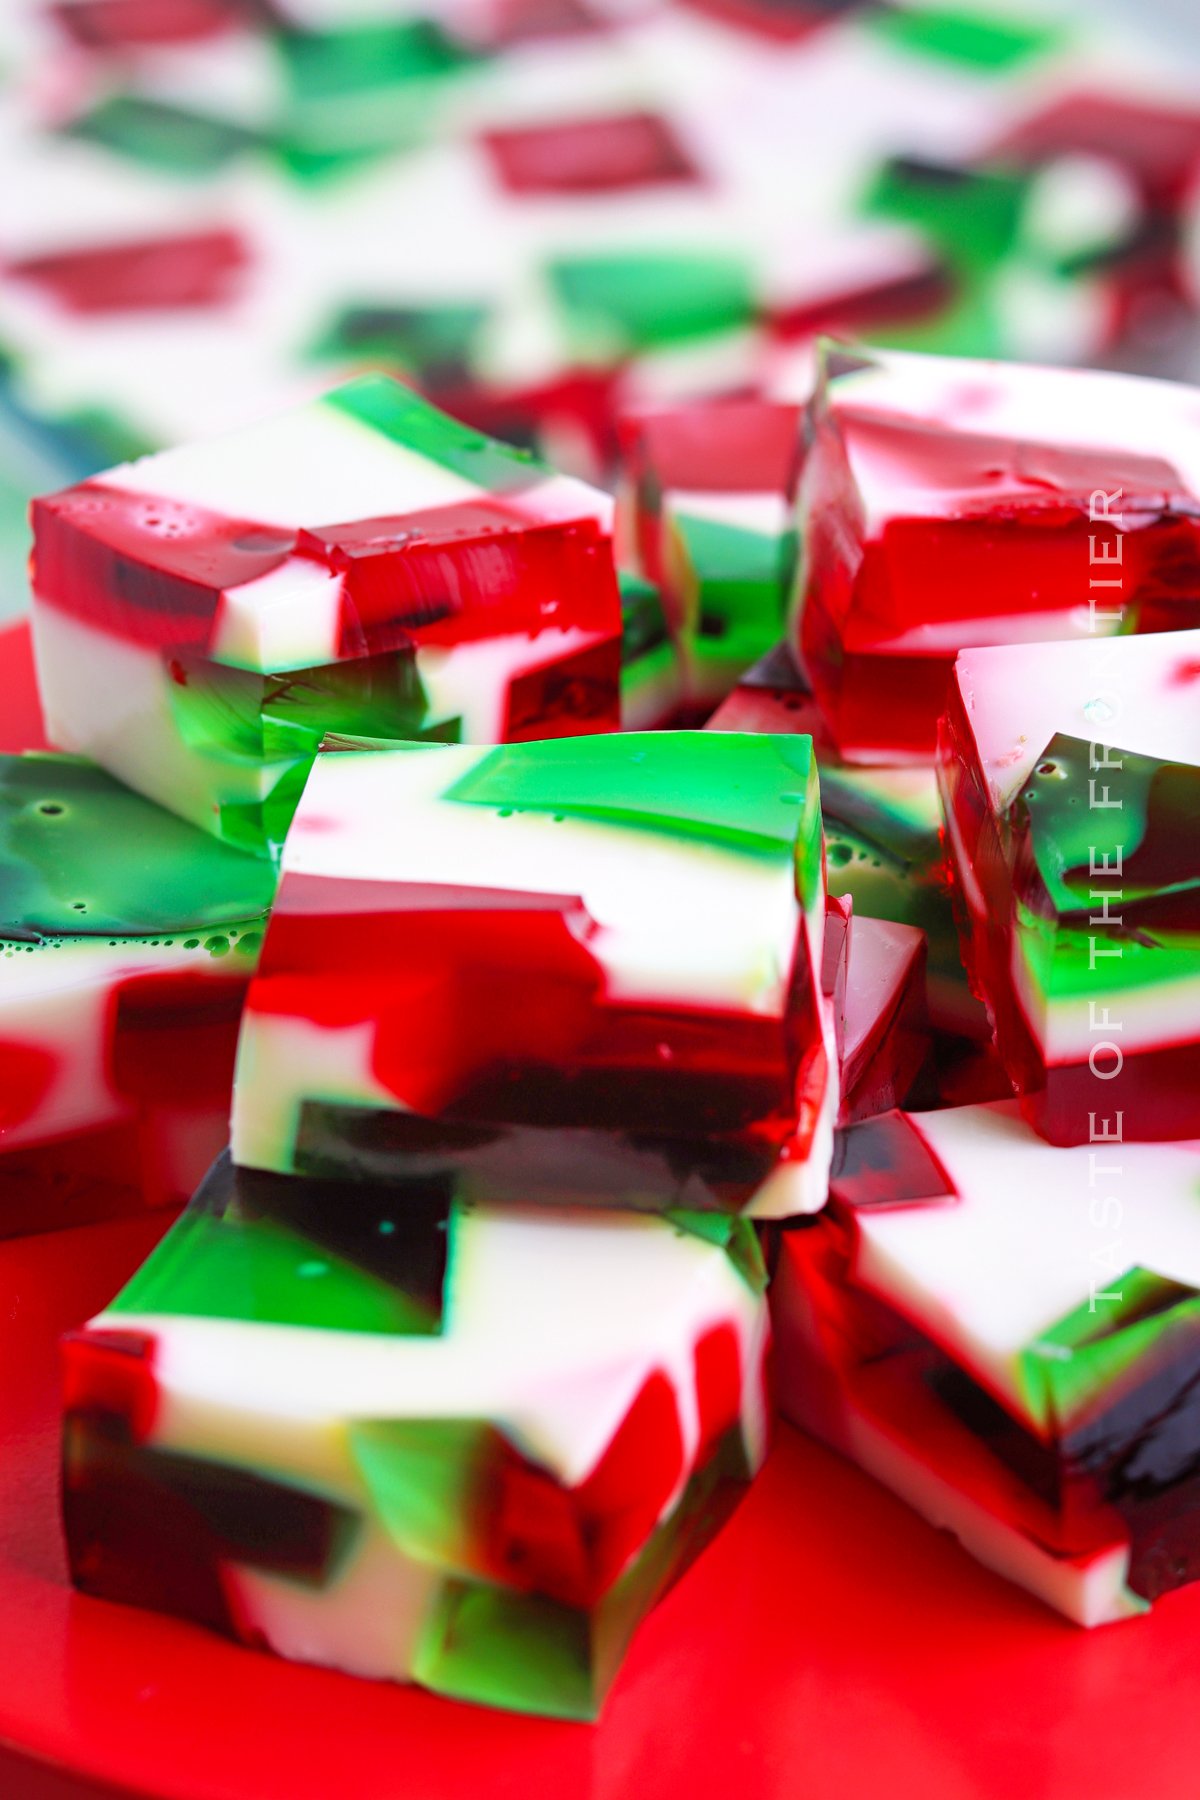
(882, 832)
(126, 943)
(1071, 786)
(365, 564)
(704, 510)
(946, 504)
(612, 933)
(1007, 1334)
(372, 1428)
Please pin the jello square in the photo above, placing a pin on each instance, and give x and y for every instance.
(616, 933)
(364, 563)
(372, 1428)
(1070, 778)
(1007, 1334)
(127, 939)
(704, 509)
(882, 832)
(946, 504)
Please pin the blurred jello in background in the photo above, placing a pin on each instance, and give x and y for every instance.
(547, 213)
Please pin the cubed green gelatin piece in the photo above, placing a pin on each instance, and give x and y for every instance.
(738, 577)
(216, 709)
(643, 621)
(105, 436)
(1060, 957)
(261, 1270)
(427, 340)
(314, 163)
(360, 59)
(422, 1476)
(972, 215)
(171, 139)
(736, 1236)
(741, 792)
(369, 696)
(530, 1654)
(1146, 1322)
(989, 42)
(240, 719)
(1150, 835)
(82, 855)
(403, 416)
(522, 1652)
(643, 302)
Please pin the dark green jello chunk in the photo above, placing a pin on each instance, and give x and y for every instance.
(437, 342)
(277, 1250)
(643, 625)
(82, 856)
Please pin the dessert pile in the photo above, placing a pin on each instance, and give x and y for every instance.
(569, 1064)
(622, 853)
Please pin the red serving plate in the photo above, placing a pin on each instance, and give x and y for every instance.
(828, 1646)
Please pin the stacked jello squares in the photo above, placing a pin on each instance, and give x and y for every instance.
(991, 642)
(447, 1374)
(995, 1314)
(459, 1357)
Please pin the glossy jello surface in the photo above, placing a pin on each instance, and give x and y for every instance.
(946, 504)
(126, 942)
(361, 564)
(620, 932)
(1011, 1344)
(326, 1423)
(1069, 786)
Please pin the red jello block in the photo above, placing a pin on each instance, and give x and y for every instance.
(199, 268)
(886, 1040)
(777, 24)
(591, 156)
(851, 280)
(497, 24)
(946, 504)
(120, 25)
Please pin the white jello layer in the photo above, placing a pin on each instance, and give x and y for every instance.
(109, 699)
(678, 919)
(1106, 413)
(1140, 694)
